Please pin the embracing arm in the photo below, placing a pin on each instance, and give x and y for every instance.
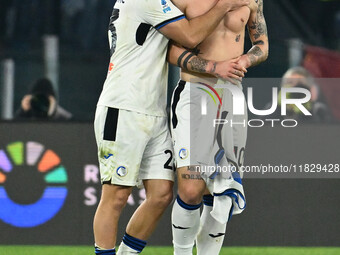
(190, 33)
(257, 28)
(187, 60)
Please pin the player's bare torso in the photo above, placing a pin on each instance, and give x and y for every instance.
(227, 40)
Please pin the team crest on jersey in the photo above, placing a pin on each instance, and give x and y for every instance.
(122, 171)
(165, 6)
(183, 153)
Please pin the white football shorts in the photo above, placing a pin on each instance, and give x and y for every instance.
(202, 122)
(132, 147)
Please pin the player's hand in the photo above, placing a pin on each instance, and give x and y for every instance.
(231, 5)
(244, 61)
(26, 103)
(230, 70)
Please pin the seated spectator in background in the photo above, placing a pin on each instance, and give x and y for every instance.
(317, 106)
(41, 103)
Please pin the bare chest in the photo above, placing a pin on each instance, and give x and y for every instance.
(233, 21)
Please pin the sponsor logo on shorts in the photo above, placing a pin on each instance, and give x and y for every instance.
(183, 153)
(108, 156)
(122, 171)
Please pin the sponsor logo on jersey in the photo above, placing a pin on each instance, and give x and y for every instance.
(165, 6)
(122, 171)
(183, 153)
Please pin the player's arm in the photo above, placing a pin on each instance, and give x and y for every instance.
(190, 33)
(187, 60)
(257, 29)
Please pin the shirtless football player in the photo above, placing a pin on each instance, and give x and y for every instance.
(225, 43)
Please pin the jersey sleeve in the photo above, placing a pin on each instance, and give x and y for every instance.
(159, 13)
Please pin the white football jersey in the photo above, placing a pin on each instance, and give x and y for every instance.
(138, 73)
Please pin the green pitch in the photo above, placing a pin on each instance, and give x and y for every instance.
(88, 250)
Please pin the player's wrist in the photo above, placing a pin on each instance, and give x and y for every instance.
(211, 67)
(248, 62)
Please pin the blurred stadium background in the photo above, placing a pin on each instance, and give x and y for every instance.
(66, 41)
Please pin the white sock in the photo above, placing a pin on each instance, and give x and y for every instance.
(211, 234)
(125, 250)
(185, 224)
(130, 245)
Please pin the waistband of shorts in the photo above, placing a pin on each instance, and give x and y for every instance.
(206, 87)
(182, 83)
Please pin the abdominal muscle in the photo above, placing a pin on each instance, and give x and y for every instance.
(225, 43)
